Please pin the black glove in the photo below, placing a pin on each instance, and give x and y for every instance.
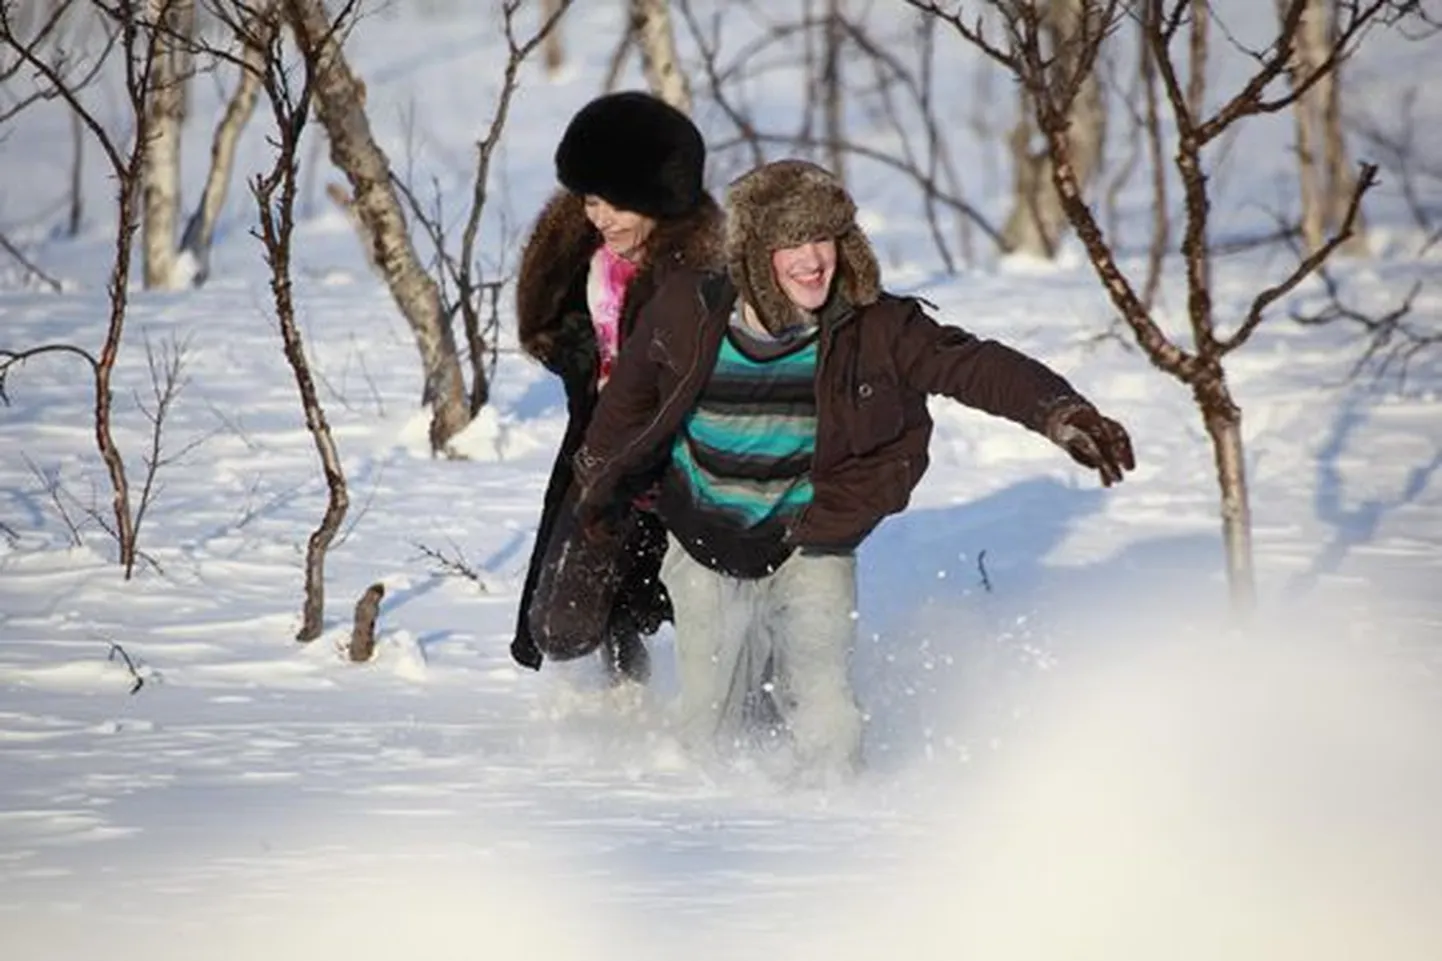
(525, 653)
(1093, 441)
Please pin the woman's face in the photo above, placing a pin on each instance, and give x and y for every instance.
(804, 273)
(624, 231)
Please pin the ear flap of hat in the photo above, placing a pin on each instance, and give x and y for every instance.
(857, 268)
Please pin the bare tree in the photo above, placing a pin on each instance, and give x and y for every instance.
(832, 88)
(173, 25)
(275, 194)
(340, 107)
(1036, 221)
(462, 290)
(1324, 177)
(253, 27)
(1053, 85)
(126, 28)
(651, 26)
(554, 46)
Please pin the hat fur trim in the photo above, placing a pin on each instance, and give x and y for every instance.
(785, 204)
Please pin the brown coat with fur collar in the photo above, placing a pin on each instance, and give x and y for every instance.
(554, 326)
(878, 362)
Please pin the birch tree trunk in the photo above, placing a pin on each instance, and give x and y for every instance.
(553, 48)
(651, 25)
(77, 171)
(1325, 180)
(339, 104)
(259, 31)
(1037, 218)
(160, 170)
(1223, 421)
(831, 90)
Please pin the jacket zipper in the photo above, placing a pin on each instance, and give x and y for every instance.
(828, 344)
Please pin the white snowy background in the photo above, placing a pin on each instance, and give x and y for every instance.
(1081, 762)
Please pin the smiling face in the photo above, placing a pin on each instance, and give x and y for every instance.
(623, 231)
(804, 273)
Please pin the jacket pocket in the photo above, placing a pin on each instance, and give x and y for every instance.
(877, 414)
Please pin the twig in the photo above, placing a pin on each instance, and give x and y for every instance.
(452, 566)
(51, 485)
(981, 567)
(129, 664)
(167, 380)
(29, 266)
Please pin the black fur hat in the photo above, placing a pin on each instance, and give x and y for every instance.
(636, 152)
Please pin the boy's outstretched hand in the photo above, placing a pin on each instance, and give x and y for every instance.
(1093, 441)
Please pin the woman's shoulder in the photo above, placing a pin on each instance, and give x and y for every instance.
(692, 241)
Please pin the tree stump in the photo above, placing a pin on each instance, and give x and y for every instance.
(363, 635)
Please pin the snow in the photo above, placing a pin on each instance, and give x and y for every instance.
(1083, 761)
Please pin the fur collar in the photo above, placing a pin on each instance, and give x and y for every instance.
(551, 281)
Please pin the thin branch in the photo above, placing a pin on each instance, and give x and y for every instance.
(1366, 180)
(50, 483)
(9, 359)
(30, 267)
(1389, 337)
(880, 156)
(975, 33)
(715, 80)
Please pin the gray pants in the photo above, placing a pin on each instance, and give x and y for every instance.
(774, 648)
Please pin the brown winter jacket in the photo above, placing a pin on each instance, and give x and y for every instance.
(877, 365)
(554, 326)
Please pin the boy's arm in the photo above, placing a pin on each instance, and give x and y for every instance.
(999, 380)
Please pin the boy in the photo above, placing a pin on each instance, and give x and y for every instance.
(784, 402)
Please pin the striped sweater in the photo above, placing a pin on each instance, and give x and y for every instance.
(741, 462)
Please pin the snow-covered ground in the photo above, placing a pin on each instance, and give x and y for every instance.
(1081, 762)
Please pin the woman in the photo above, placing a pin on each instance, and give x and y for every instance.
(633, 210)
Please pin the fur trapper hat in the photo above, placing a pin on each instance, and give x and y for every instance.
(785, 204)
(636, 152)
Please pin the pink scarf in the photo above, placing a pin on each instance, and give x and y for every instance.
(606, 284)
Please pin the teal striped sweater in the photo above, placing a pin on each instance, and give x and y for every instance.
(741, 463)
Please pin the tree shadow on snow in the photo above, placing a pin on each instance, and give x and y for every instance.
(1357, 525)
